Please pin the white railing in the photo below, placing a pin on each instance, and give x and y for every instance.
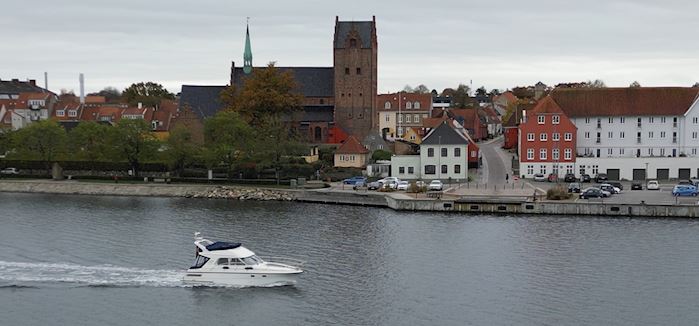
(283, 260)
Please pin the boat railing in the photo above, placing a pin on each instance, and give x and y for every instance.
(283, 260)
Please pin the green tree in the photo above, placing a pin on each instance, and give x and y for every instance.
(275, 142)
(132, 140)
(87, 140)
(380, 155)
(461, 97)
(182, 150)
(5, 141)
(42, 140)
(229, 140)
(267, 92)
(150, 94)
(111, 94)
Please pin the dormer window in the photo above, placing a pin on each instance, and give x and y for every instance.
(416, 105)
(387, 105)
(72, 113)
(408, 105)
(60, 113)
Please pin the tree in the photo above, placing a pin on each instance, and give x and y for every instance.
(87, 140)
(495, 92)
(408, 89)
(42, 140)
(481, 91)
(421, 89)
(182, 150)
(461, 97)
(110, 94)
(380, 155)
(5, 141)
(150, 94)
(132, 140)
(696, 84)
(274, 142)
(228, 139)
(597, 83)
(267, 92)
(635, 84)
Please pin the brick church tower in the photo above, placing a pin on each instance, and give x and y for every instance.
(355, 53)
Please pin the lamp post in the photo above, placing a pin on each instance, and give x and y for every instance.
(646, 175)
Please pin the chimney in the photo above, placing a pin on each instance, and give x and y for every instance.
(32, 82)
(232, 72)
(82, 89)
(46, 80)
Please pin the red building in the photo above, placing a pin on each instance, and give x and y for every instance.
(546, 141)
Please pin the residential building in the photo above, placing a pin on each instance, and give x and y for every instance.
(351, 154)
(400, 111)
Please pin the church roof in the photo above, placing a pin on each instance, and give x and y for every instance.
(312, 81)
(204, 100)
(363, 28)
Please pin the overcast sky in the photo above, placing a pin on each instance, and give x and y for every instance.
(497, 44)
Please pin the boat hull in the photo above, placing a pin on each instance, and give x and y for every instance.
(240, 279)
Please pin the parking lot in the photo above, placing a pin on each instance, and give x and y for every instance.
(628, 196)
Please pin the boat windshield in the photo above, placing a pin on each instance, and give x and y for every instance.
(252, 260)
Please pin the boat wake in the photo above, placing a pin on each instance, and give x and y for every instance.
(17, 274)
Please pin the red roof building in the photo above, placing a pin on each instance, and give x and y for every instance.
(351, 154)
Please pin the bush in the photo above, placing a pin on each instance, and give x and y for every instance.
(414, 188)
(558, 193)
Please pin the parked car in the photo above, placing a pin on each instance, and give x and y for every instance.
(616, 184)
(539, 177)
(359, 184)
(611, 189)
(636, 186)
(435, 185)
(585, 178)
(574, 187)
(402, 185)
(375, 185)
(601, 177)
(684, 190)
(552, 177)
(390, 184)
(420, 184)
(685, 182)
(591, 193)
(569, 177)
(9, 171)
(653, 185)
(353, 180)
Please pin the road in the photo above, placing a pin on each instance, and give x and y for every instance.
(495, 163)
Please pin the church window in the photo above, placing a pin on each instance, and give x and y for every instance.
(408, 105)
(387, 105)
(346, 71)
(416, 105)
(359, 71)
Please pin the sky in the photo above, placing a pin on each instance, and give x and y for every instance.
(496, 44)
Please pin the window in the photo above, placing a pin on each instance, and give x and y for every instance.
(388, 118)
(662, 152)
(457, 168)
(639, 122)
(695, 120)
(411, 170)
(662, 134)
(444, 152)
(595, 169)
(530, 136)
(650, 134)
(530, 169)
(611, 120)
(542, 169)
(346, 71)
(556, 136)
(430, 152)
(457, 152)
(444, 168)
(543, 153)
(568, 136)
(650, 119)
(530, 154)
(674, 122)
(568, 155)
(199, 262)
(541, 119)
(430, 169)
(650, 152)
(408, 118)
(400, 118)
(638, 137)
(387, 105)
(416, 118)
(621, 134)
(662, 119)
(408, 105)
(694, 135)
(359, 71)
(587, 135)
(416, 105)
(674, 137)
(621, 151)
(555, 154)
(622, 119)
(400, 131)
(222, 261)
(610, 135)
(556, 119)
(543, 136)
(599, 137)
(587, 120)
(60, 113)
(582, 169)
(610, 151)
(599, 122)
(401, 169)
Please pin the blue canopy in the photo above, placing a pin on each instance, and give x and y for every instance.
(220, 245)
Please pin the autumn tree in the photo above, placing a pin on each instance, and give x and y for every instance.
(182, 149)
(229, 140)
(42, 140)
(111, 94)
(266, 92)
(132, 140)
(149, 93)
(87, 140)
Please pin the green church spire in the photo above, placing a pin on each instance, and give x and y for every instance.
(247, 56)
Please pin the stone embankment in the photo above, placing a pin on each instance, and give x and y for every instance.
(224, 192)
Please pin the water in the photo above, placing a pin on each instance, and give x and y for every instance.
(81, 260)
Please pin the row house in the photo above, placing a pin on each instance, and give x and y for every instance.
(446, 153)
(400, 111)
(632, 133)
(546, 141)
(24, 108)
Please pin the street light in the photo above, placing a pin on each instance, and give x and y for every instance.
(646, 174)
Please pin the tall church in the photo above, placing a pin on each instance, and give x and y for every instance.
(339, 101)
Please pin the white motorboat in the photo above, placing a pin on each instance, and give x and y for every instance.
(231, 264)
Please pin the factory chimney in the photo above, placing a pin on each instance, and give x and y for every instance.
(46, 80)
(82, 89)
